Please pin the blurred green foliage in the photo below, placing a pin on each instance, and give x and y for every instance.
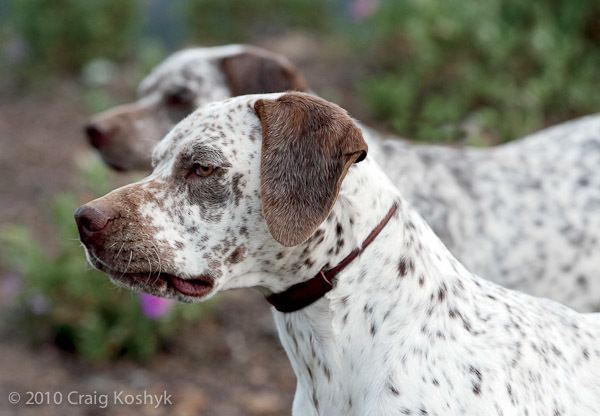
(496, 68)
(65, 301)
(65, 34)
(239, 20)
(477, 71)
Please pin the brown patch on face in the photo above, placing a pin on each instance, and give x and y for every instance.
(128, 242)
(210, 192)
(308, 146)
(237, 255)
(256, 71)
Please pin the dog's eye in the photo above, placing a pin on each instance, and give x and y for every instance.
(181, 97)
(202, 171)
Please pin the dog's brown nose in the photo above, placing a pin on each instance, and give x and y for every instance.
(97, 135)
(91, 220)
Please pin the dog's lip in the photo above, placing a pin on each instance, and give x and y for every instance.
(198, 286)
(195, 286)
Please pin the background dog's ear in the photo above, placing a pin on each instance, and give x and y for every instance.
(308, 146)
(255, 72)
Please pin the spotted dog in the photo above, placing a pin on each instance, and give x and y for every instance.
(525, 215)
(277, 192)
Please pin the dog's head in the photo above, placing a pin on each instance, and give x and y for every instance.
(237, 195)
(126, 135)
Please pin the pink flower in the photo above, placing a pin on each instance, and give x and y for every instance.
(155, 307)
(363, 9)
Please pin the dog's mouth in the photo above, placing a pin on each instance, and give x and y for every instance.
(114, 166)
(165, 283)
(160, 284)
(118, 164)
(197, 288)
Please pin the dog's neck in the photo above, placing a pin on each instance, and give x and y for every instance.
(331, 343)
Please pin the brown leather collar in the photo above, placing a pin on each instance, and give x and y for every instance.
(305, 293)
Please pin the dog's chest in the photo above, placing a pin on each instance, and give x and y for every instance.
(355, 368)
(351, 374)
(314, 355)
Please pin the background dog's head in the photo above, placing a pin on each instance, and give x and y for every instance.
(237, 195)
(187, 80)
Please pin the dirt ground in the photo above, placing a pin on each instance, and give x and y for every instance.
(229, 365)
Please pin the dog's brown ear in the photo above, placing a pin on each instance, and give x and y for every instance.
(308, 146)
(255, 72)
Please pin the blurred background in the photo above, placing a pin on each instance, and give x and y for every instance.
(453, 71)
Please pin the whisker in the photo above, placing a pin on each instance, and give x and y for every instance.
(126, 268)
(119, 252)
(159, 261)
(150, 268)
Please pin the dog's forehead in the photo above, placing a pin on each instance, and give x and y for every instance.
(223, 125)
(185, 62)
